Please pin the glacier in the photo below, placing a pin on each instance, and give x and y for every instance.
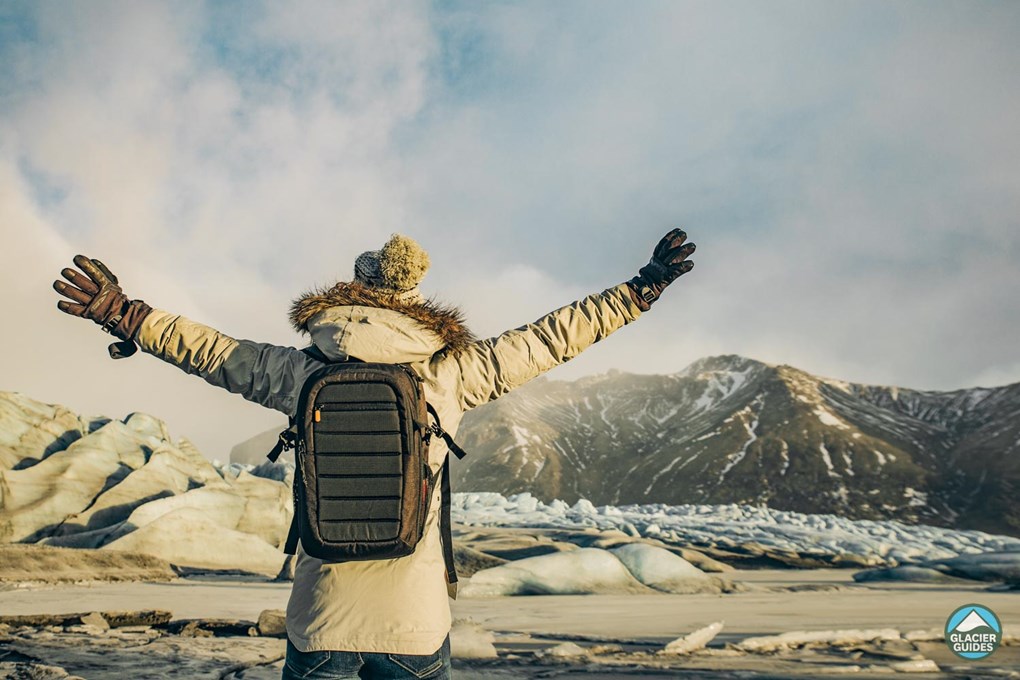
(885, 542)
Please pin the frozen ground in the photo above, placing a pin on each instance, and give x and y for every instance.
(787, 536)
(618, 635)
(830, 624)
(781, 600)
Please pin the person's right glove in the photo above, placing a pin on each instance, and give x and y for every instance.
(96, 296)
(669, 261)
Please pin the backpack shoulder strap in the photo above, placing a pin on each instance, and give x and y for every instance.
(290, 547)
(445, 531)
(288, 437)
(287, 440)
(445, 524)
(317, 354)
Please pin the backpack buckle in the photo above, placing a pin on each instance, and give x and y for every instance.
(285, 442)
(287, 439)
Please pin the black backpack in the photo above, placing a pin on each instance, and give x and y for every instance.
(362, 482)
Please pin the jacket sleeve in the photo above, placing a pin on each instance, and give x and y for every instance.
(266, 374)
(491, 368)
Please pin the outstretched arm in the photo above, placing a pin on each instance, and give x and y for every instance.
(491, 368)
(265, 374)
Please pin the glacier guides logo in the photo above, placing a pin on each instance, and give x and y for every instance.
(973, 632)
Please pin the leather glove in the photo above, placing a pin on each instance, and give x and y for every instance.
(669, 261)
(95, 295)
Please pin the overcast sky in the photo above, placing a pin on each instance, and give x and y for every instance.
(849, 171)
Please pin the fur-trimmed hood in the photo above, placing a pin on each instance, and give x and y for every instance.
(374, 326)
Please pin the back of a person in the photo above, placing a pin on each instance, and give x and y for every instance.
(376, 618)
(396, 605)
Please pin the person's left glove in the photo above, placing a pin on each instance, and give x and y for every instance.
(97, 296)
(669, 262)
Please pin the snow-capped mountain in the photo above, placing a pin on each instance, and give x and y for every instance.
(729, 429)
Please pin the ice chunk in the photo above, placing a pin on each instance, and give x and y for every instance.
(694, 641)
(567, 649)
(186, 538)
(558, 507)
(578, 572)
(985, 566)
(915, 666)
(468, 640)
(524, 502)
(803, 638)
(659, 568)
(148, 426)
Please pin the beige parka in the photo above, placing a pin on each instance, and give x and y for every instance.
(397, 606)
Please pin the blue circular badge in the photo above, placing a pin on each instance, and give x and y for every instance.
(973, 632)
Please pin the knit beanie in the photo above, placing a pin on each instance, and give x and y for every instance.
(396, 269)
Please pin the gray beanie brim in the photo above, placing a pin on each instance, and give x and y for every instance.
(397, 268)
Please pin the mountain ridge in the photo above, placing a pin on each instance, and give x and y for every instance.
(732, 429)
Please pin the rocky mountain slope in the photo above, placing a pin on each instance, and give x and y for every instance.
(733, 430)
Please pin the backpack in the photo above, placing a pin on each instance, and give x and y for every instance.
(362, 481)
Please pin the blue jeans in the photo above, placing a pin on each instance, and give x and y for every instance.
(366, 665)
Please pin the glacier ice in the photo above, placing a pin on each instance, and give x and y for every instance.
(632, 568)
(658, 568)
(885, 543)
(585, 571)
(693, 641)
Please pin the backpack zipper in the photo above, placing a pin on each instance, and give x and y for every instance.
(410, 371)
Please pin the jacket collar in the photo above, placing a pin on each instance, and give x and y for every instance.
(445, 322)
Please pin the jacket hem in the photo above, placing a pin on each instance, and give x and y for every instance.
(426, 643)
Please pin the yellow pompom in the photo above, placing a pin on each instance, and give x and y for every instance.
(403, 263)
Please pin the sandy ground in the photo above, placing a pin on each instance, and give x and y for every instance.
(779, 601)
(838, 603)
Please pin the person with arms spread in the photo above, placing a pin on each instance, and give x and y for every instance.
(387, 618)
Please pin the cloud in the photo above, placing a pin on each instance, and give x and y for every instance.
(211, 191)
(848, 173)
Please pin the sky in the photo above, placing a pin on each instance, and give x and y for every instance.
(848, 170)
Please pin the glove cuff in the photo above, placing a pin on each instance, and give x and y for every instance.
(642, 293)
(132, 315)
